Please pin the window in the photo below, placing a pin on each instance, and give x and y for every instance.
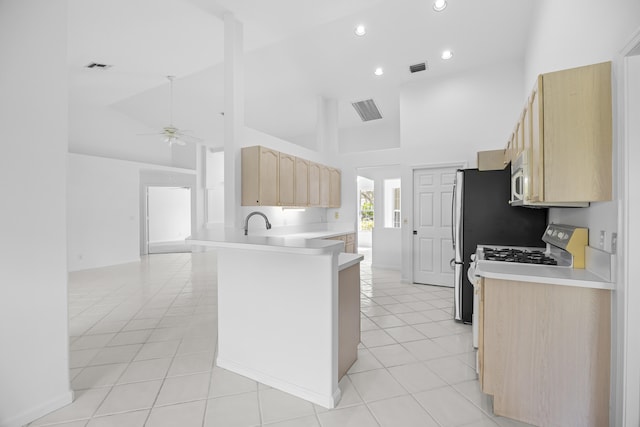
(366, 210)
(392, 203)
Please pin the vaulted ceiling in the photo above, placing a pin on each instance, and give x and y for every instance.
(295, 51)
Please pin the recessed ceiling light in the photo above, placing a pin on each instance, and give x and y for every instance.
(360, 30)
(439, 5)
(379, 71)
(446, 54)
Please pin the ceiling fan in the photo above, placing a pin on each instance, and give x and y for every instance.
(173, 135)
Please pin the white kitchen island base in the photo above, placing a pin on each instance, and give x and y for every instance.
(278, 314)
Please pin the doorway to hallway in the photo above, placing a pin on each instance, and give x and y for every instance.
(168, 219)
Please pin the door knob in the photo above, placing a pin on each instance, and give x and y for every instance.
(452, 263)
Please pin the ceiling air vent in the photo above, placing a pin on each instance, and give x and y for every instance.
(97, 66)
(416, 68)
(367, 110)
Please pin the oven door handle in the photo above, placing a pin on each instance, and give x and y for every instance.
(517, 185)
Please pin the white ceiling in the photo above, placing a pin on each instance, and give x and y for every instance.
(295, 51)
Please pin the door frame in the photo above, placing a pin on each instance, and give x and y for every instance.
(410, 201)
(625, 390)
(149, 178)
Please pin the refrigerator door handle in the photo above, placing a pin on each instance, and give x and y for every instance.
(457, 292)
(453, 210)
(457, 206)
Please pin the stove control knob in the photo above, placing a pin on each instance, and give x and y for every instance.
(561, 235)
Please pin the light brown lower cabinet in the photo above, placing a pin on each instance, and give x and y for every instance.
(544, 352)
(348, 317)
(349, 242)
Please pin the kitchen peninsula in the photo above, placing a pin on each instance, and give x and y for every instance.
(289, 309)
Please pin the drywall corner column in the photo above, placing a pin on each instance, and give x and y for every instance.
(233, 118)
(199, 218)
(34, 354)
(327, 127)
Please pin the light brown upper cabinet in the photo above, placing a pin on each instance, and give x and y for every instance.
(325, 182)
(272, 178)
(301, 180)
(260, 176)
(334, 188)
(571, 135)
(286, 181)
(314, 184)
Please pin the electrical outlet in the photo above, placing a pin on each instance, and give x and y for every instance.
(603, 236)
(336, 215)
(614, 242)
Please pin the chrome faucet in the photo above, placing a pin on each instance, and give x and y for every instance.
(246, 221)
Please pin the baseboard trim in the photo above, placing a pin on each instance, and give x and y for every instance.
(39, 411)
(326, 401)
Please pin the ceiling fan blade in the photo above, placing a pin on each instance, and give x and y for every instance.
(188, 137)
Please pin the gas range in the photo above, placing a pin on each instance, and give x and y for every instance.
(565, 248)
(532, 256)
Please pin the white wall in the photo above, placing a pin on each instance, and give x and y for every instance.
(103, 209)
(169, 211)
(34, 370)
(571, 33)
(374, 135)
(447, 120)
(214, 183)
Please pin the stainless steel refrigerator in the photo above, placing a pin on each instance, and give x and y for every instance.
(482, 215)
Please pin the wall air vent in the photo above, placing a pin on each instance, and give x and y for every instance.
(97, 66)
(416, 68)
(367, 110)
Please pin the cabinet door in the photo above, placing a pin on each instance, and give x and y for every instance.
(577, 139)
(536, 159)
(325, 183)
(269, 160)
(250, 176)
(286, 182)
(314, 184)
(334, 188)
(301, 179)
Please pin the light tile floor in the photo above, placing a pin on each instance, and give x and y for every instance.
(143, 346)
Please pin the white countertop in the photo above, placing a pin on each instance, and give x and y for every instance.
(346, 260)
(300, 243)
(541, 274)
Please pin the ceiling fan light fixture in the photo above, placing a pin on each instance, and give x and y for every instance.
(439, 5)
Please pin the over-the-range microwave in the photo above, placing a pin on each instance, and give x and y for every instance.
(520, 191)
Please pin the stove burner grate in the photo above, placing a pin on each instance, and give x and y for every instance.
(518, 256)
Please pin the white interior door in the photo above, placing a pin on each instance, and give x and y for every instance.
(432, 244)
